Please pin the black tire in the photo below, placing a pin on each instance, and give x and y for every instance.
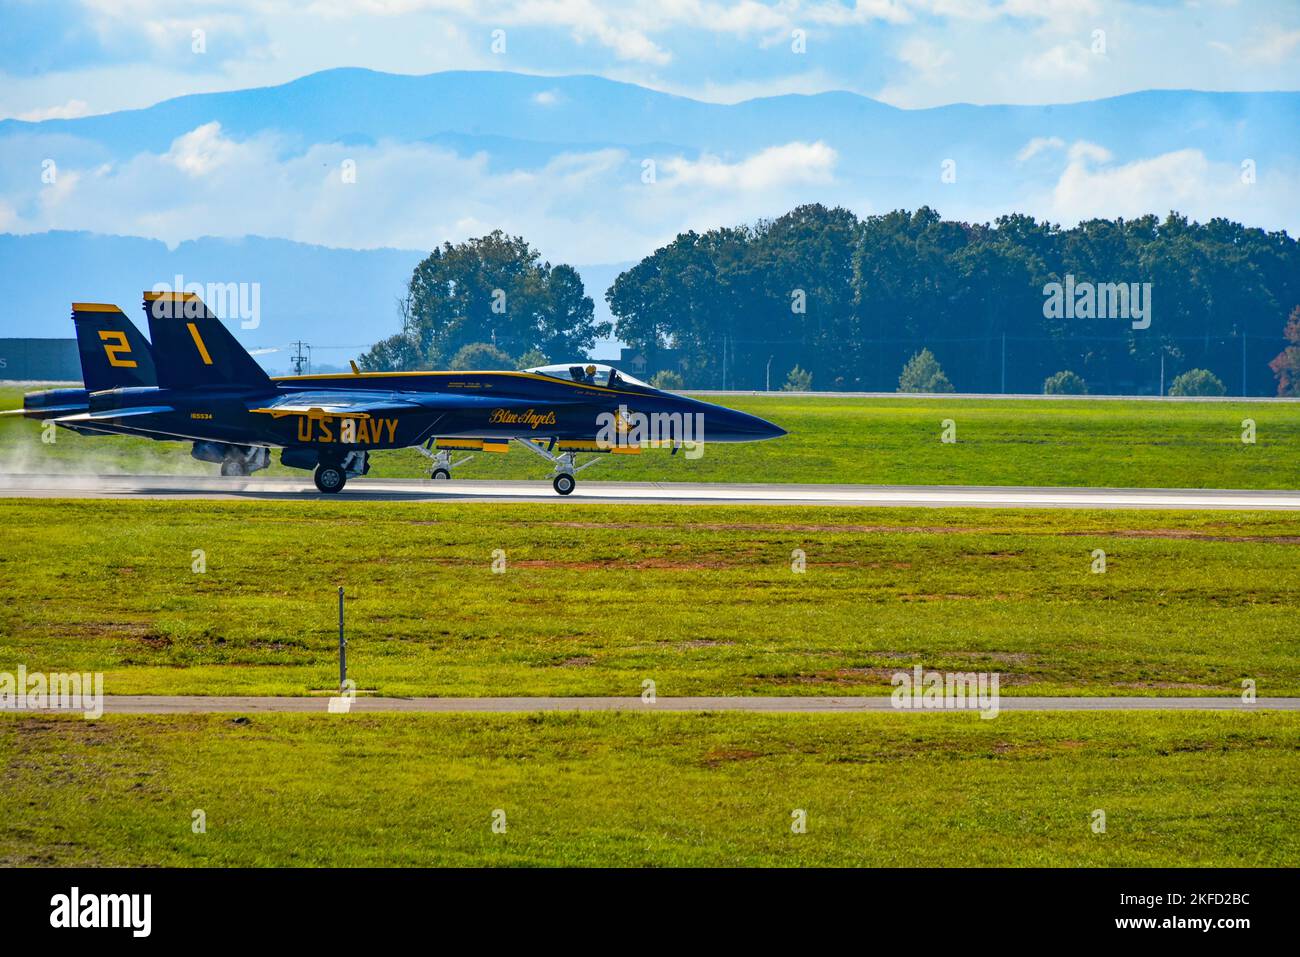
(330, 479)
(230, 467)
(564, 483)
(441, 475)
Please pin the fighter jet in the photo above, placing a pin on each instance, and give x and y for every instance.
(197, 383)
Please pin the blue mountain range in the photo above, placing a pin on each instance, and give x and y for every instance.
(345, 298)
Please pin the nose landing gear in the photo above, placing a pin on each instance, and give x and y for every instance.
(566, 467)
(441, 459)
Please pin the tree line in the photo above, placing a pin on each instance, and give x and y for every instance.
(832, 301)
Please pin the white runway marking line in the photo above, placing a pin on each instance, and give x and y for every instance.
(226, 704)
(272, 489)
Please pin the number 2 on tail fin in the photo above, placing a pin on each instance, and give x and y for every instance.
(115, 345)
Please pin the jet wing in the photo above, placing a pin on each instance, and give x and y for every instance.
(364, 405)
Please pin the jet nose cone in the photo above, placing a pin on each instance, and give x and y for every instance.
(743, 427)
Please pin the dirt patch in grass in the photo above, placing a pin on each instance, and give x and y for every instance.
(857, 675)
(1187, 534)
(78, 730)
(135, 630)
(577, 661)
(153, 640)
(720, 756)
(869, 675)
(794, 527)
(638, 564)
(953, 597)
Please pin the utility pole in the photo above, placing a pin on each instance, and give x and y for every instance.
(1004, 363)
(769, 372)
(724, 363)
(1243, 364)
(299, 359)
(1162, 371)
(343, 648)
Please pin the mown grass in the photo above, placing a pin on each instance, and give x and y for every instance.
(594, 600)
(643, 789)
(877, 441)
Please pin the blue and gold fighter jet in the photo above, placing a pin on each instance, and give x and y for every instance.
(195, 382)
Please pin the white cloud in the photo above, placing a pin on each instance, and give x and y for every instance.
(1063, 61)
(772, 168)
(1091, 185)
(927, 59)
(1277, 48)
(201, 150)
(1082, 152)
(546, 98)
(1037, 145)
(582, 206)
(67, 111)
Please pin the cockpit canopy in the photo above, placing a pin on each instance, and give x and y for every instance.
(588, 373)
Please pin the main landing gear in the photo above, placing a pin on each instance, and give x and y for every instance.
(332, 475)
(330, 478)
(566, 467)
(235, 460)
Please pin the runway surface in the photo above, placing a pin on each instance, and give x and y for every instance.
(204, 487)
(197, 704)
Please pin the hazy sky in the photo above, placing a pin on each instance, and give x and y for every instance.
(65, 58)
(70, 57)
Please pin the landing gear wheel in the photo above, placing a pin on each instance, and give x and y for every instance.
(330, 478)
(564, 483)
(441, 475)
(231, 467)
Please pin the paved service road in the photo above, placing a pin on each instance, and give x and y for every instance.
(647, 493)
(198, 704)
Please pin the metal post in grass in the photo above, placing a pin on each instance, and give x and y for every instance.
(343, 648)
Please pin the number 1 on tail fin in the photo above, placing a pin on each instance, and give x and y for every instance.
(193, 348)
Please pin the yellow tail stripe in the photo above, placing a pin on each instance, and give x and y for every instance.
(198, 341)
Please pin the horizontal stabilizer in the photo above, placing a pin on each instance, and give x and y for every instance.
(44, 412)
(109, 415)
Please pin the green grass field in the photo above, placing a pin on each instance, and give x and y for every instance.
(636, 789)
(594, 600)
(892, 441)
(701, 600)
